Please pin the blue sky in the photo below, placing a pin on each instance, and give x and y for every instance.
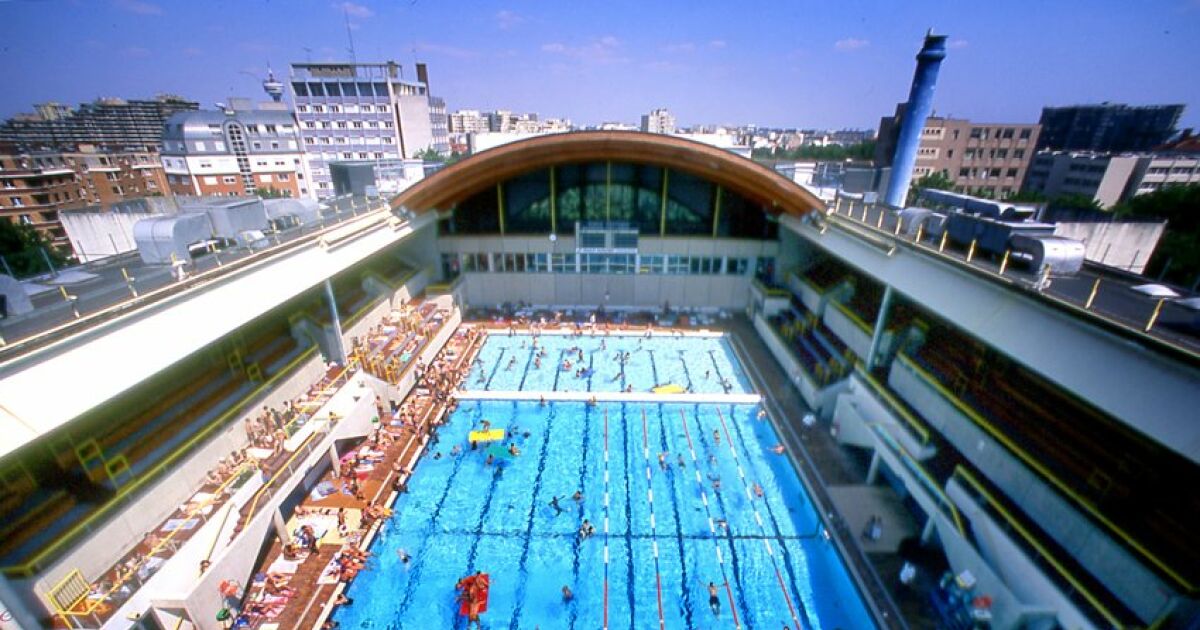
(840, 63)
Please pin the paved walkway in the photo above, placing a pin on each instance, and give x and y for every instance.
(858, 503)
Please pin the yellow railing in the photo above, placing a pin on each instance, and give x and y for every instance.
(283, 471)
(1041, 469)
(336, 382)
(1015, 523)
(922, 475)
(896, 405)
(30, 567)
(771, 291)
(96, 605)
(858, 321)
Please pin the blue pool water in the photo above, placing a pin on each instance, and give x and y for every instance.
(461, 516)
(704, 364)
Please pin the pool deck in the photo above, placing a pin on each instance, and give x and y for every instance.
(633, 397)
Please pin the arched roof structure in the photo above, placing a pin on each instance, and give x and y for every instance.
(456, 182)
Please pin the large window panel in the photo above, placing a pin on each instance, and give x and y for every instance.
(477, 214)
(689, 205)
(527, 204)
(568, 180)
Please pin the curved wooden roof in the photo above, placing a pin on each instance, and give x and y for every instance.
(478, 172)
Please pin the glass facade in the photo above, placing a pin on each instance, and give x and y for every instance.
(552, 200)
(622, 264)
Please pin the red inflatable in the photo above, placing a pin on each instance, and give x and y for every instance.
(473, 594)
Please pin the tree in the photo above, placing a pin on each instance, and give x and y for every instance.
(272, 193)
(933, 181)
(1177, 258)
(430, 155)
(19, 245)
(1027, 196)
(830, 153)
(1075, 202)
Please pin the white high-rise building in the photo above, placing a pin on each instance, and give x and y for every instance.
(363, 111)
(658, 121)
(468, 121)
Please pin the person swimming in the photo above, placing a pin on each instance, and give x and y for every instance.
(714, 602)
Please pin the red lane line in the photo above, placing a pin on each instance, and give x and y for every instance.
(662, 623)
(605, 603)
(732, 607)
(726, 429)
(685, 430)
(787, 597)
(645, 438)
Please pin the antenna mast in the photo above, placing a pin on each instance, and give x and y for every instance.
(349, 36)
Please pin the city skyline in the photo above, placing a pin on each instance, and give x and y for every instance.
(775, 66)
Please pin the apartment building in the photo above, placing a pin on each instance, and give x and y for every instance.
(362, 111)
(235, 152)
(1108, 179)
(988, 159)
(36, 185)
(658, 121)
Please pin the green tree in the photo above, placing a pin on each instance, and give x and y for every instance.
(1027, 196)
(1075, 202)
(1177, 257)
(933, 181)
(430, 155)
(19, 245)
(272, 193)
(831, 153)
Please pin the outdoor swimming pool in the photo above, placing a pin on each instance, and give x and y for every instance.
(659, 538)
(510, 363)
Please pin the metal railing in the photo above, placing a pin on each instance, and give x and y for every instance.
(109, 308)
(887, 240)
(977, 488)
(89, 522)
(1045, 473)
(99, 605)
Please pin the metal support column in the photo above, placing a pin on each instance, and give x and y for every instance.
(880, 323)
(339, 348)
(927, 531)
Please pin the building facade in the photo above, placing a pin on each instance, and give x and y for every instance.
(1107, 127)
(360, 111)
(468, 121)
(1108, 179)
(97, 154)
(988, 159)
(35, 186)
(658, 121)
(107, 123)
(235, 152)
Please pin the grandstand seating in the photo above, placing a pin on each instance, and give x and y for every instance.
(1124, 475)
(152, 426)
(825, 274)
(818, 350)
